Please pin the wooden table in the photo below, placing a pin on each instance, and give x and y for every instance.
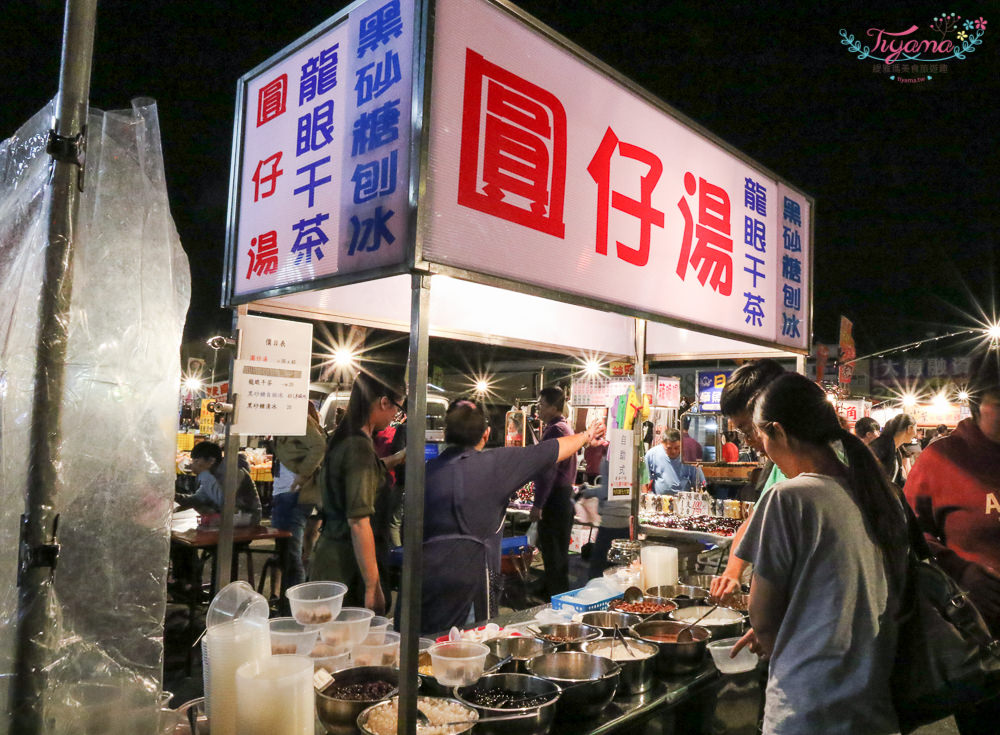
(204, 543)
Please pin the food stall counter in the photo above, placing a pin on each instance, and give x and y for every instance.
(679, 696)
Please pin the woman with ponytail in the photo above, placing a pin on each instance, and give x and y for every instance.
(828, 547)
(354, 539)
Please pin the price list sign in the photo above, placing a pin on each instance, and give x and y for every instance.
(271, 376)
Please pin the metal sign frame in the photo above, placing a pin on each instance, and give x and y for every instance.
(420, 122)
(421, 269)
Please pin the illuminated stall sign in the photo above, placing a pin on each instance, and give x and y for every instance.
(710, 385)
(544, 170)
(323, 162)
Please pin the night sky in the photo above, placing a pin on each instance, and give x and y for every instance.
(905, 175)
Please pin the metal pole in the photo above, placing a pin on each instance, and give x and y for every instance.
(800, 364)
(640, 359)
(224, 551)
(38, 550)
(413, 510)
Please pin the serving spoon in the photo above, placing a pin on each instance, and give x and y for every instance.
(621, 637)
(633, 595)
(686, 631)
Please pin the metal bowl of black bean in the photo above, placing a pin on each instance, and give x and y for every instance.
(503, 695)
(350, 692)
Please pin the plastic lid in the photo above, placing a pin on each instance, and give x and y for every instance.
(237, 601)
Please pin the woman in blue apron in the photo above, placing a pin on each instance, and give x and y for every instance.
(467, 491)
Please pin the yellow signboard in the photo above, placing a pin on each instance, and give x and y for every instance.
(206, 421)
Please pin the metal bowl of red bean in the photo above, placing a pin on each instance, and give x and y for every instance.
(648, 606)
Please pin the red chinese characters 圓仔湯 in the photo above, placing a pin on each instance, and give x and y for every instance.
(272, 99)
(513, 152)
(713, 252)
(266, 173)
(642, 209)
(265, 260)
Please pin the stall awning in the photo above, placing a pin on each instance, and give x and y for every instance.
(490, 315)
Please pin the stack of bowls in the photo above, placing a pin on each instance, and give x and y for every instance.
(673, 657)
(536, 720)
(521, 649)
(596, 676)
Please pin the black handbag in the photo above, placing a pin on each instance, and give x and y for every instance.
(946, 658)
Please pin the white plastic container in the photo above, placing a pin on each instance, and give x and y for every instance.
(348, 629)
(289, 636)
(226, 647)
(659, 566)
(744, 661)
(458, 663)
(378, 649)
(274, 696)
(315, 603)
(333, 663)
(376, 628)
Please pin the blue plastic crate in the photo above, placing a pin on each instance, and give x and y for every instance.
(514, 544)
(559, 602)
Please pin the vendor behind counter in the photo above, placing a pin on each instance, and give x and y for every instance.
(466, 495)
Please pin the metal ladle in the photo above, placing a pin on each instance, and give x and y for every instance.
(633, 595)
(621, 637)
(686, 631)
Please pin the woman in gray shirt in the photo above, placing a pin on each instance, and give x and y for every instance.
(828, 547)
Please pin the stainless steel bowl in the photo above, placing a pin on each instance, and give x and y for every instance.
(719, 630)
(734, 600)
(698, 580)
(597, 678)
(536, 720)
(607, 620)
(520, 649)
(673, 657)
(432, 687)
(637, 673)
(362, 721)
(682, 594)
(340, 715)
(576, 633)
(666, 603)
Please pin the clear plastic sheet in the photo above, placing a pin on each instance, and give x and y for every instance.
(131, 288)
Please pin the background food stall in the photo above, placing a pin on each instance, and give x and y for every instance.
(534, 199)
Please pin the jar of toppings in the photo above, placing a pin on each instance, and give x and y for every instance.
(623, 552)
